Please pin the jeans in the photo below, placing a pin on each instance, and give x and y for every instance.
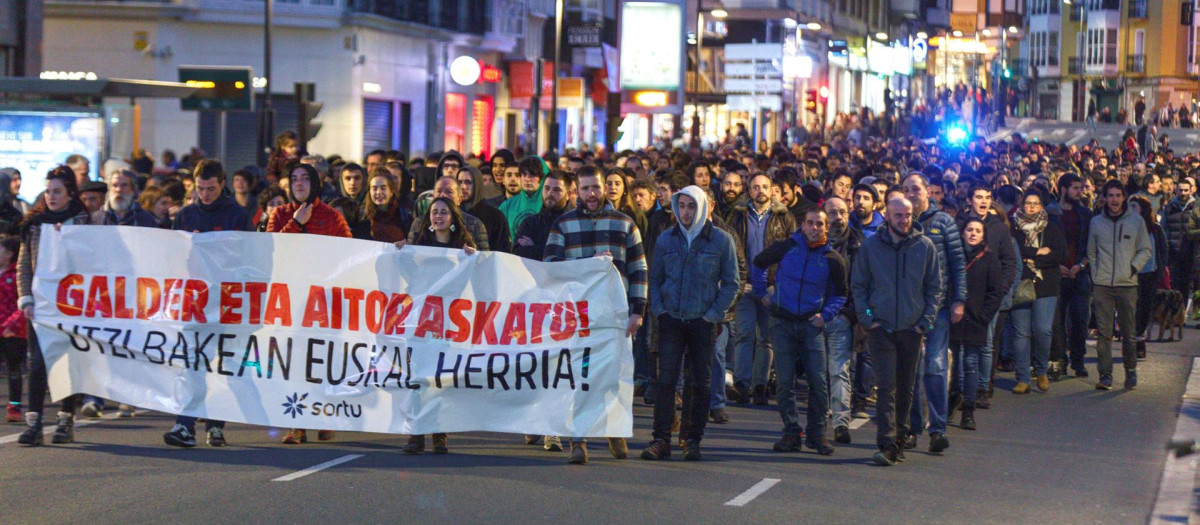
(839, 340)
(689, 345)
(971, 371)
(644, 368)
(752, 355)
(1071, 320)
(1006, 339)
(1032, 324)
(718, 367)
(864, 376)
(795, 341)
(13, 351)
(895, 356)
(1121, 302)
(933, 373)
(987, 358)
(38, 384)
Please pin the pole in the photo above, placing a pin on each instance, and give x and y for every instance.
(754, 98)
(558, 14)
(696, 133)
(222, 130)
(535, 107)
(266, 135)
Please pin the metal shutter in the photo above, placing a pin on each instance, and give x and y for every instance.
(377, 125)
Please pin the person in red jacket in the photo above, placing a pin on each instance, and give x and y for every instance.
(306, 214)
(12, 324)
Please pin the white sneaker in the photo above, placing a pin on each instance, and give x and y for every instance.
(91, 410)
(553, 444)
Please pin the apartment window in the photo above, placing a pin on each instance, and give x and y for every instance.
(1052, 49)
(1110, 48)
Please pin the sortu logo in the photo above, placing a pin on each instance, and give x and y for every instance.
(294, 406)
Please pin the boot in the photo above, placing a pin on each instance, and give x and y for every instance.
(415, 445)
(439, 444)
(65, 430)
(618, 447)
(1141, 349)
(33, 435)
(968, 418)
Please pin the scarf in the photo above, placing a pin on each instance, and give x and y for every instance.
(1032, 226)
(820, 242)
(73, 208)
(975, 253)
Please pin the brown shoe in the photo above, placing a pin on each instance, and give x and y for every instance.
(1021, 388)
(1043, 382)
(324, 435)
(656, 450)
(295, 436)
(579, 454)
(439, 444)
(415, 445)
(618, 448)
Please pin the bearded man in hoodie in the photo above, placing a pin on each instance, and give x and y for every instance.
(692, 285)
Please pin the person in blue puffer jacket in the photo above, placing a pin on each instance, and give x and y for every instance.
(810, 290)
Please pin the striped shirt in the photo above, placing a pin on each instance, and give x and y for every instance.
(578, 234)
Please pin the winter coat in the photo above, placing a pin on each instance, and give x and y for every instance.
(12, 320)
(940, 228)
(537, 229)
(324, 221)
(780, 226)
(986, 287)
(223, 214)
(897, 282)
(1053, 238)
(1118, 248)
(696, 281)
(807, 281)
(27, 259)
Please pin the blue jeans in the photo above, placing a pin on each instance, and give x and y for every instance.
(932, 373)
(718, 367)
(796, 340)
(1032, 324)
(839, 340)
(986, 357)
(971, 361)
(752, 354)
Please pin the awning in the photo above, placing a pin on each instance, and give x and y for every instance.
(103, 87)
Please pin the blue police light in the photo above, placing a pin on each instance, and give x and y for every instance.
(956, 134)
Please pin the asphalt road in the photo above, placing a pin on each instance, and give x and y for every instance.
(1072, 455)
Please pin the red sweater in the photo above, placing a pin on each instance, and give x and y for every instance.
(11, 318)
(324, 221)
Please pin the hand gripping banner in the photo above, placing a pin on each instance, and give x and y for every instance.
(303, 331)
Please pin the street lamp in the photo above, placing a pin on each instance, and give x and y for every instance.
(718, 11)
(814, 26)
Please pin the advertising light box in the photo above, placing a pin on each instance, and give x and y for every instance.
(36, 141)
(652, 51)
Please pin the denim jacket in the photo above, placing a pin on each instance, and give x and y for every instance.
(697, 282)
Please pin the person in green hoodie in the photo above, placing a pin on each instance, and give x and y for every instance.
(529, 200)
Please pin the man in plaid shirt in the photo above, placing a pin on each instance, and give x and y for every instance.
(595, 229)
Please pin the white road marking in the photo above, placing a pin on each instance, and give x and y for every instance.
(1175, 491)
(753, 492)
(317, 468)
(48, 425)
(856, 424)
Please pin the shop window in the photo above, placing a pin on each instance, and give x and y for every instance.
(482, 111)
(456, 120)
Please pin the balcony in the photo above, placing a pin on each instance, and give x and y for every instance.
(1135, 64)
(1075, 66)
(1104, 5)
(1137, 9)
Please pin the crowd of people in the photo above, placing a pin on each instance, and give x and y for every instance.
(903, 274)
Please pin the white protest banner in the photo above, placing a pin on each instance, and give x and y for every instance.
(305, 331)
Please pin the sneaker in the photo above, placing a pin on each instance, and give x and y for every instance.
(180, 436)
(618, 447)
(938, 442)
(691, 452)
(1105, 383)
(124, 410)
(658, 449)
(295, 436)
(841, 434)
(788, 443)
(1081, 372)
(216, 437)
(579, 454)
(553, 444)
(889, 456)
(14, 413)
(325, 435)
(439, 444)
(33, 435)
(531, 439)
(859, 411)
(981, 400)
(760, 395)
(718, 416)
(742, 394)
(91, 410)
(64, 431)
(968, 419)
(1021, 388)
(820, 445)
(1130, 379)
(415, 445)
(910, 442)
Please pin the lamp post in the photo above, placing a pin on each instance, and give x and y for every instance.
(553, 131)
(717, 11)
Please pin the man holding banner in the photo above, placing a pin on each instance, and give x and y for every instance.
(596, 229)
(692, 284)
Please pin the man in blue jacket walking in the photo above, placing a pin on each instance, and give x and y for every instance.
(810, 290)
(693, 282)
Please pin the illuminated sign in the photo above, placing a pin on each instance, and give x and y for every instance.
(371, 87)
(961, 45)
(465, 71)
(651, 46)
(223, 88)
(920, 50)
(490, 73)
(68, 75)
(650, 98)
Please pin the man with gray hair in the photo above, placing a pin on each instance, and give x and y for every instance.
(120, 203)
(896, 285)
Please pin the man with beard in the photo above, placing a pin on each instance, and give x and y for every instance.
(120, 204)
(509, 181)
(898, 309)
(595, 229)
(790, 194)
(472, 203)
(839, 331)
(758, 225)
(1181, 249)
(732, 194)
(865, 219)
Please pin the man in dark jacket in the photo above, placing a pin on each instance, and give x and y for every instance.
(1180, 249)
(897, 287)
(558, 197)
(120, 203)
(758, 225)
(691, 287)
(865, 219)
(940, 228)
(732, 194)
(217, 210)
(472, 203)
(1075, 286)
(810, 290)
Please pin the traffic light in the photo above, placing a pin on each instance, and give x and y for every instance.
(306, 111)
(824, 92)
(810, 100)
